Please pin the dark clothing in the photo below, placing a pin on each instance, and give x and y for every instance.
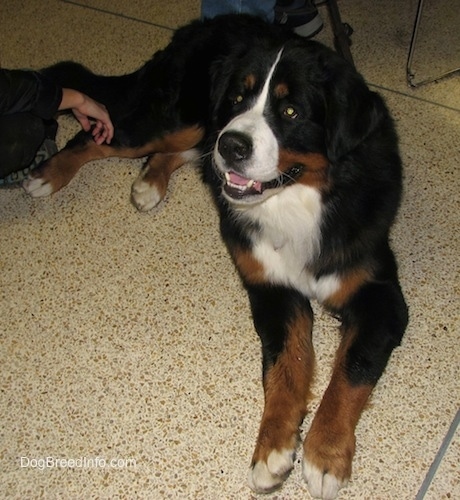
(30, 91)
(28, 102)
(21, 134)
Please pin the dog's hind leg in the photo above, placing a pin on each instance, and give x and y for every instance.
(151, 185)
(59, 170)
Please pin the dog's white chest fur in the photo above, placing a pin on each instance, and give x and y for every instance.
(289, 240)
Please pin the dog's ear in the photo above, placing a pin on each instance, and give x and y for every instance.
(220, 71)
(353, 113)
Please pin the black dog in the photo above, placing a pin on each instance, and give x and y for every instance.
(306, 175)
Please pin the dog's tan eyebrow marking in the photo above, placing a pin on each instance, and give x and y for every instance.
(250, 81)
(281, 90)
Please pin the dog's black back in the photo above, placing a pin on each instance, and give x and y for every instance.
(172, 89)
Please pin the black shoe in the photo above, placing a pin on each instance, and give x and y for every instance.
(46, 150)
(301, 16)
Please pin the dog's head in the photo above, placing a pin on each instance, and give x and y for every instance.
(287, 115)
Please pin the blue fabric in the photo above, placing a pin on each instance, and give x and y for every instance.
(262, 8)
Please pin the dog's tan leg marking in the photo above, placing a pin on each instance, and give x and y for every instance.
(330, 443)
(287, 389)
(250, 269)
(182, 140)
(59, 170)
(151, 185)
(349, 285)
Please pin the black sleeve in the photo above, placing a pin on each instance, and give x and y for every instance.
(22, 91)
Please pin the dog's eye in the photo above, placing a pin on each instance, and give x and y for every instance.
(290, 112)
(238, 99)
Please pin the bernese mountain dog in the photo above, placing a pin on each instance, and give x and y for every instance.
(302, 159)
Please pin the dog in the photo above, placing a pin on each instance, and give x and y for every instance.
(302, 160)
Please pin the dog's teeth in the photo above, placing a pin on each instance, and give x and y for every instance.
(227, 176)
(250, 184)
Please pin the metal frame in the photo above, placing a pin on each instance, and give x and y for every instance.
(342, 31)
(409, 73)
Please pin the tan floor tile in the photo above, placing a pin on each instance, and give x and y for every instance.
(119, 340)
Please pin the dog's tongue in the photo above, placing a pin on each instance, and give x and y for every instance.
(234, 178)
(239, 180)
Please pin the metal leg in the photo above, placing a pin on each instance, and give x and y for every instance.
(410, 75)
(342, 32)
(409, 72)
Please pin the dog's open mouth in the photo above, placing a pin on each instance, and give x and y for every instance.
(238, 187)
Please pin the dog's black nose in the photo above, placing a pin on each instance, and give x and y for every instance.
(235, 146)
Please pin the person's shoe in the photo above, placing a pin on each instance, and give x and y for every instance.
(301, 16)
(46, 150)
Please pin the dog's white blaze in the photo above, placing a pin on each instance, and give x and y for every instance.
(262, 100)
(289, 239)
(263, 164)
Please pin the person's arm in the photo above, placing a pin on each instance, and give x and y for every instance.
(30, 91)
(84, 108)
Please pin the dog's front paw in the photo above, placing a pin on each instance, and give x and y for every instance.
(37, 187)
(268, 475)
(327, 461)
(144, 195)
(322, 484)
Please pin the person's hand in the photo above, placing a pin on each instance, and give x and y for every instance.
(84, 108)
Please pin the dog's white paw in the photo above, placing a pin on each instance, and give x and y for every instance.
(265, 477)
(321, 485)
(37, 187)
(144, 195)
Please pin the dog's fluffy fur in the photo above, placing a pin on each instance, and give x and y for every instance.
(306, 176)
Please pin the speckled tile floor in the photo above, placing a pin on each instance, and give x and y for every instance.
(127, 336)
